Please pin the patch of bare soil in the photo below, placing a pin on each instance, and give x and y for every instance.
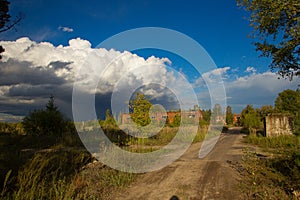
(193, 178)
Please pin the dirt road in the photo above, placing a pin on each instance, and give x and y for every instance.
(193, 178)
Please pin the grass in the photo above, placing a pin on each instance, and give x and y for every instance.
(43, 176)
(50, 167)
(283, 142)
(271, 177)
(99, 182)
(58, 176)
(135, 144)
(164, 137)
(54, 172)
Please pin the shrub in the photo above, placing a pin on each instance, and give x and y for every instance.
(245, 130)
(224, 129)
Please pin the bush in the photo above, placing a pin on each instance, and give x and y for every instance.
(245, 130)
(224, 129)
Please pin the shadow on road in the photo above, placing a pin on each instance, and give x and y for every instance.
(234, 130)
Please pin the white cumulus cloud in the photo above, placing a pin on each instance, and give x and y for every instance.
(34, 70)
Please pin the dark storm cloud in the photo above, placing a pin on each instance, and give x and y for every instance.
(18, 108)
(15, 72)
(61, 93)
(102, 103)
(30, 87)
(31, 91)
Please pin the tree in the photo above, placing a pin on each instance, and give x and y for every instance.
(51, 105)
(139, 109)
(177, 120)
(5, 20)
(250, 119)
(229, 116)
(109, 119)
(45, 122)
(217, 114)
(206, 114)
(288, 101)
(265, 110)
(277, 26)
(4, 16)
(205, 120)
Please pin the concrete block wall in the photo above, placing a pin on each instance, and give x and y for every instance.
(278, 124)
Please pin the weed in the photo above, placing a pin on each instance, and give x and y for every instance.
(98, 182)
(280, 142)
(276, 177)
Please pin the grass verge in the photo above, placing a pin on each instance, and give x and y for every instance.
(271, 175)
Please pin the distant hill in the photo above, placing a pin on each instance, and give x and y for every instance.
(10, 118)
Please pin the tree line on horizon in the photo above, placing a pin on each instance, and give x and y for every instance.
(287, 102)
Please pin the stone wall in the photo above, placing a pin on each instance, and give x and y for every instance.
(278, 124)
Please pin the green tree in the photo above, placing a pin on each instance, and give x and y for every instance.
(177, 121)
(277, 26)
(50, 106)
(109, 119)
(265, 110)
(229, 116)
(205, 120)
(139, 108)
(217, 114)
(288, 101)
(206, 115)
(45, 122)
(250, 119)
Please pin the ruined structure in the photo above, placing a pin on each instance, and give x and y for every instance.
(191, 115)
(278, 124)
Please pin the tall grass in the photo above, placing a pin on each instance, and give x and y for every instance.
(57, 175)
(272, 177)
(46, 176)
(99, 182)
(48, 167)
(283, 141)
(260, 180)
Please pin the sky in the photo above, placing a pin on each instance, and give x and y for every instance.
(45, 51)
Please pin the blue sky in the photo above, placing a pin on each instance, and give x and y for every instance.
(219, 26)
